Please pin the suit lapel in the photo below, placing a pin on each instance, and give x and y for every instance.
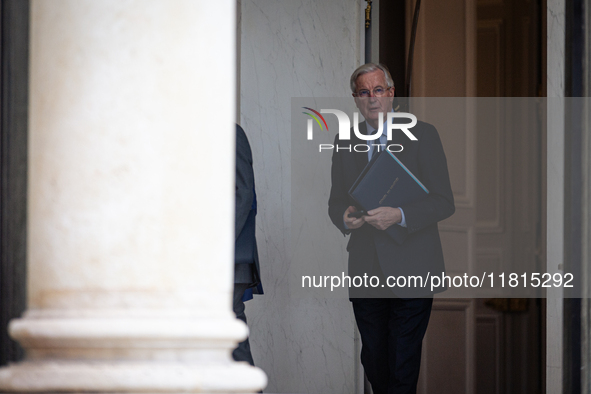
(398, 137)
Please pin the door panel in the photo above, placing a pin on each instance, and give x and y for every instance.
(486, 48)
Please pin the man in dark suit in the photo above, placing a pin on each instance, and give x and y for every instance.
(246, 259)
(391, 241)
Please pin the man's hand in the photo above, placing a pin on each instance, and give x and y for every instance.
(353, 223)
(383, 217)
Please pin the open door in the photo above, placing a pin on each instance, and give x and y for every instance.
(485, 48)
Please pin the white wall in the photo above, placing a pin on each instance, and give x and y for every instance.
(291, 49)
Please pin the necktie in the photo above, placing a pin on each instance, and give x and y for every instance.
(376, 149)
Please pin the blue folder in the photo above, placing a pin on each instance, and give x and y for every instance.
(386, 182)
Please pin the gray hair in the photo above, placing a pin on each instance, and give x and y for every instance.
(367, 68)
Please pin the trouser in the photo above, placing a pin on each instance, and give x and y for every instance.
(242, 352)
(392, 331)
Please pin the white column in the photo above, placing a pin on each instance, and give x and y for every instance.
(130, 210)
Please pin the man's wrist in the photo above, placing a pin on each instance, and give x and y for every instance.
(402, 222)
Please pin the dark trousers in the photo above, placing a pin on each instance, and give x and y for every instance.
(242, 352)
(392, 331)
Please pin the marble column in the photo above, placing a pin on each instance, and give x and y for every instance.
(130, 209)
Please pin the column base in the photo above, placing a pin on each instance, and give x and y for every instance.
(129, 355)
(126, 377)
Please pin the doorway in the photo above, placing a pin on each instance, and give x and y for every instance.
(483, 48)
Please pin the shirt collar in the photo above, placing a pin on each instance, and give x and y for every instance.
(371, 129)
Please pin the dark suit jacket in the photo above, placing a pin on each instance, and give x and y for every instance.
(245, 241)
(419, 250)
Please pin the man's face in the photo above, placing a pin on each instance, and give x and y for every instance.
(371, 106)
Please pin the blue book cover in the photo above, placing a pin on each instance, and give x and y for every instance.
(386, 182)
